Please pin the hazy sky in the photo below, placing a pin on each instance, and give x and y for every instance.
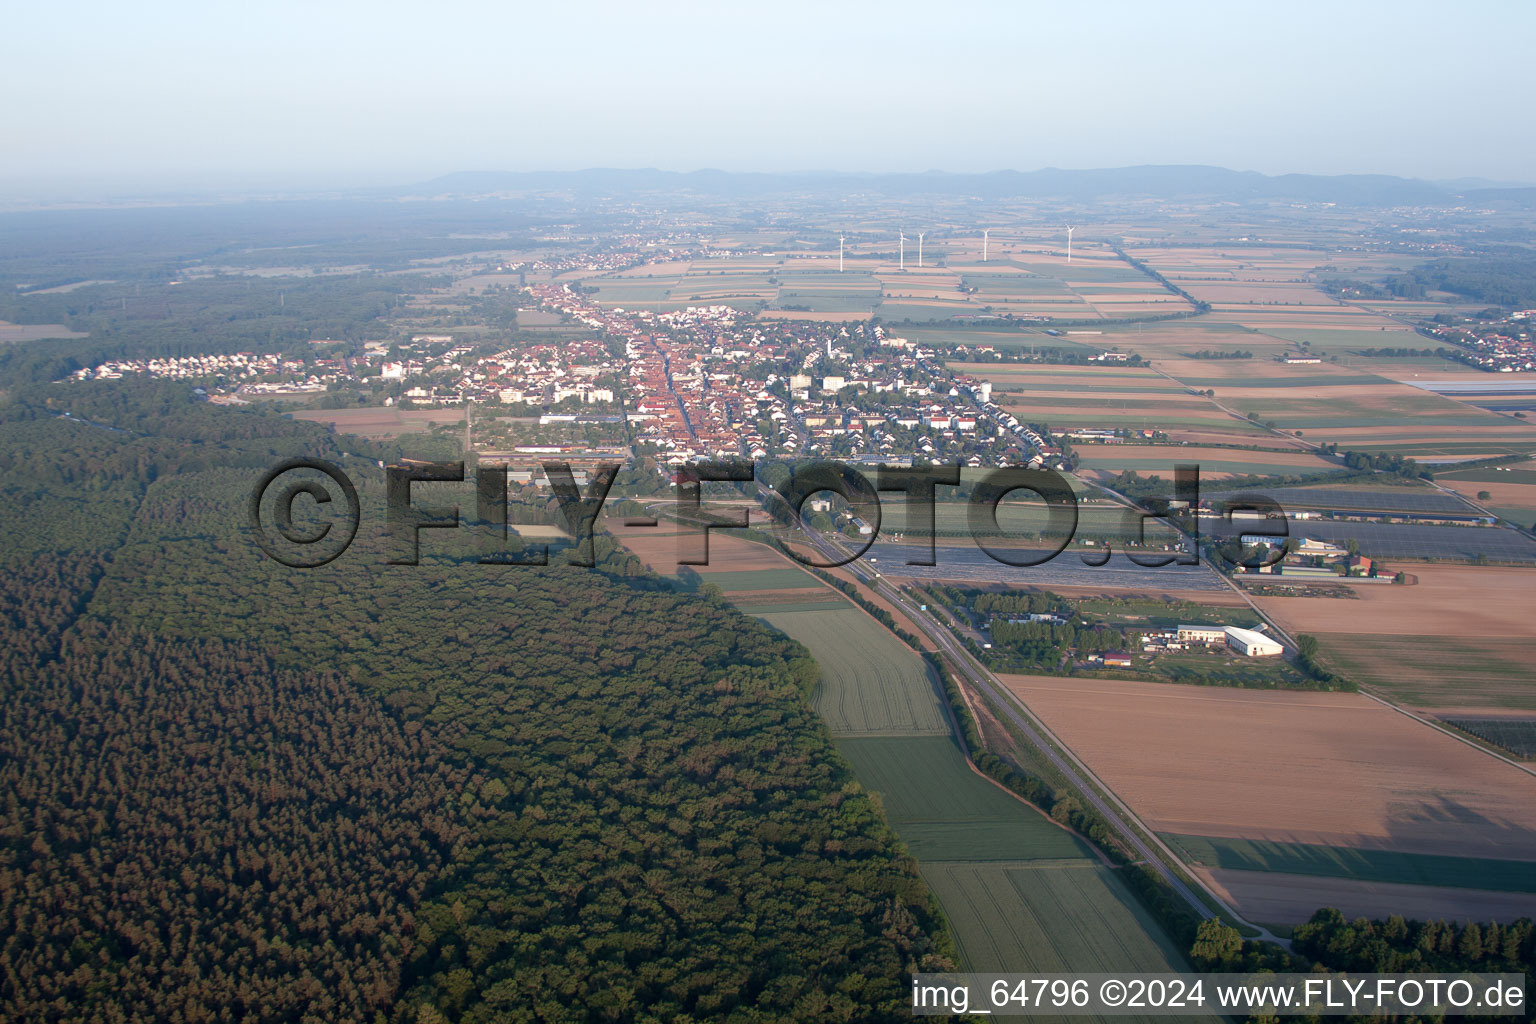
(135, 95)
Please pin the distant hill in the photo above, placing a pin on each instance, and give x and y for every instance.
(1160, 181)
(1523, 195)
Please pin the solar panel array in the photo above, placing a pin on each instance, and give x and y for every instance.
(1067, 569)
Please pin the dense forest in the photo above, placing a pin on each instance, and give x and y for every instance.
(1396, 946)
(1506, 280)
(438, 792)
(213, 315)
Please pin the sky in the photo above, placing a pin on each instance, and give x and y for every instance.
(163, 95)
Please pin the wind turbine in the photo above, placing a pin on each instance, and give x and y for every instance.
(984, 233)
(920, 249)
(839, 254)
(1069, 243)
(902, 250)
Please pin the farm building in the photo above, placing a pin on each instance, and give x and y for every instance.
(1202, 634)
(1117, 659)
(1252, 643)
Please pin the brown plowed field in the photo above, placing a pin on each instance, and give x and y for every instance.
(1449, 600)
(1334, 769)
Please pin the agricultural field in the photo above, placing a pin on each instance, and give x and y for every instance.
(1324, 342)
(1291, 801)
(998, 337)
(736, 581)
(1172, 342)
(1254, 284)
(1023, 917)
(1516, 876)
(1022, 283)
(1438, 671)
(1047, 379)
(1090, 396)
(1445, 600)
(968, 834)
(1323, 769)
(10, 332)
(1334, 404)
(1105, 461)
(872, 684)
(378, 423)
(1173, 414)
(1283, 900)
(944, 811)
(1511, 490)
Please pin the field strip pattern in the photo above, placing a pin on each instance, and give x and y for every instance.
(1368, 865)
(870, 683)
(1437, 671)
(1024, 919)
(1019, 892)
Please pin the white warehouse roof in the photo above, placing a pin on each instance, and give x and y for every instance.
(1253, 642)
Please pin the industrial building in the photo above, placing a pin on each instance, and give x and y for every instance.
(1252, 643)
(1202, 634)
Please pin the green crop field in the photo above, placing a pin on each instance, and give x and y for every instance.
(1241, 464)
(945, 811)
(1438, 671)
(1049, 918)
(1019, 893)
(1000, 337)
(761, 579)
(1044, 410)
(1002, 383)
(1366, 865)
(1088, 272)
(1520, 515)
(1491, 476)
(1256, 381)
(1012, 284)
(819, 301)
(871, 684)
(1333, 340)
(758, 606)
(935, 310)
(629, 289)
(1500, 446)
